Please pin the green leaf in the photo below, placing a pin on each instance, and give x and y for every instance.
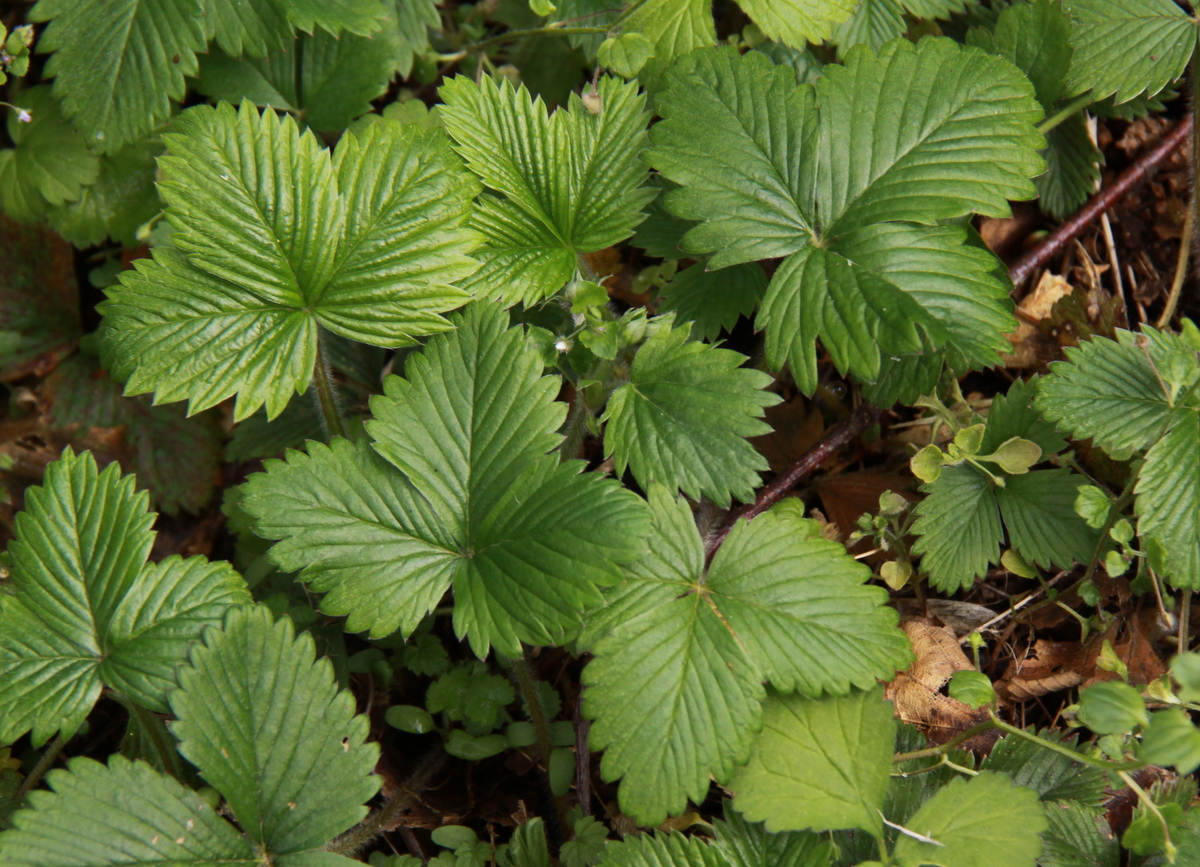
(125, 813)
(571, 181)
(39, 300)
(625, 54)
(959, 528)
(1107, 391)
(1036, 37)
(713, 300)
(81, 396)
(117, 64)
(1168, 499)
(868, 282)
(983, 822)
(88, 609)
(662, 850)
(1078, 836)
(117, 205)
(819, 763)
(1052, 775)
(265, 724)
(588, 846)
(751, 845)
(368, 248)
(1112, 708)
(1039, 514)
(1127, 47)
(796, 22)
(259, 26)
(972, 688)
(49, 163)
(1171, 740)
(682, 418)
(675, 27)
(471, 498)
(1013, 415)
(1072, 168)
(680, 654)
(873, 23)
(331, 79)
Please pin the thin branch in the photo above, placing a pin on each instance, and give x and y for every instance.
(45, 763)
(845, 431)
(1029, 264)
(386, 817)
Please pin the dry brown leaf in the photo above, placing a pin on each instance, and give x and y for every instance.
(1048, 668)
(917, 693)
(796, 428)
(845, 496)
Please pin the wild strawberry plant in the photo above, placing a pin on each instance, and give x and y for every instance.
(498, 462)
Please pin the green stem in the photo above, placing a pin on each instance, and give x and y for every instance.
(1071, 108)
(942, 749)
(548, 30)
(1071, 754)
(384, 818)
(527, 683)
(152, 727)
(1168, 847)
(326, 392)
(47, 760)
(1185, 609)
(574, 428)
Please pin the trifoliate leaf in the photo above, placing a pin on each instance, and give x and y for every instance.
(470, 499)
(290, 759)
(1107, 390)
(39, 300)
(117, 65)
(331, 79)
(982, 822)
(869, 281)
(571, 181)
(1112, 708)
(1072, 168)
(663, 850)
(264, 25)
(1127, 47)
(713, 300)
(873, 23)
(80, 395)
(1054, 776)
(1171, 740)
(959, 528)
(117, 205)
(773, 605)
(89, 610)
(750, 845)
(683, 417)
(125, 813)
(797, 22)
(675, 27)
(1013, 415)
(625, 54)
(819, 763)
(49, 162)
(1078, 836)
(369, 247)
(470, 693)
(1039, 514)
(1168, 499)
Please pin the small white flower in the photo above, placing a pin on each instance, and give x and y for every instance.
(562, 345)
(23, 116)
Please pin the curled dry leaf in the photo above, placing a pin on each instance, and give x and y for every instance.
(917, 693)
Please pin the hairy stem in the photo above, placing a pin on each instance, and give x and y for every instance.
(527, 683)
(1071, 754)
(1148, 802)
(1069, 110)
(45, 763)
(152, 727)
(385, 816)
(326, 392)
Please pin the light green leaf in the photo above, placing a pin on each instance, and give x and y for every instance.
(117, 65)
(751, 845)
(819, 763)
(471, 498)
(1171, 740)
(1112, 708)
(259, 26)
(675, 27)
(117, 205)
(959, 528)
(873, 23)
(662, 850)
(88, 609)
(972, 688)
(868, 283)
(680, 655)
(265, 724)
(368, 247)
(572, 181)
(1107, 391)
(625, 54)
(796, 22)
(1127, 47)
(125, 813)
(1168, 499)
(713, 300)
(682, 418)
(332, 79)
(49, 163)
(982, 822)
(1039, 513)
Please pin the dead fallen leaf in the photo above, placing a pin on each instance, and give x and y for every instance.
(917, 693)
(796, 427)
